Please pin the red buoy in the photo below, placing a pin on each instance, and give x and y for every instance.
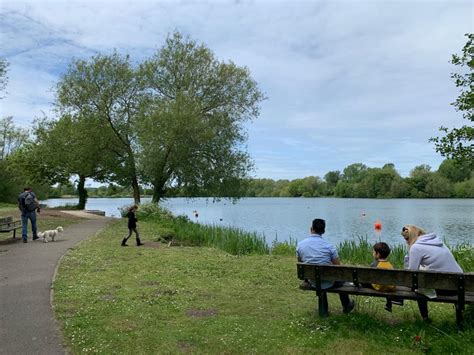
(378, 226)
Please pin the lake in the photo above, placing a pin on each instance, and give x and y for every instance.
(285, 218)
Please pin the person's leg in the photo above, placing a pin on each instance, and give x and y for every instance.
(346, 302)
(33, 225)
(124, 241)
(423, 307)
(24, 227)
(137, 237)
(325, 305)
(397, 300)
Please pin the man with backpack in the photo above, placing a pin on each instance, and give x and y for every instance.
(28, 205)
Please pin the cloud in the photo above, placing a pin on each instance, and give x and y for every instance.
(347, 81)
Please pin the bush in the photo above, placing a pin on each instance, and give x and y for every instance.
(284, 248)
(164, 234)
(149, 210)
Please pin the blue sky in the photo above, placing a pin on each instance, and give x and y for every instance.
(347, 81)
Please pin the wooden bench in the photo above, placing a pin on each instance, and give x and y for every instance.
(406, 282)
(7, 224)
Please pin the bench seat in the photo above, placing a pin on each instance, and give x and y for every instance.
(7, 224)
(406, 282)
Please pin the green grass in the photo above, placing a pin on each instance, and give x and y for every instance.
(111, 299)
(44, 220)
(181, 229)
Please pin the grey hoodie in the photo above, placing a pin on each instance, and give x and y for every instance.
(429, 252)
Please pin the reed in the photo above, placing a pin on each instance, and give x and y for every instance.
(357, 250)
(232, 240)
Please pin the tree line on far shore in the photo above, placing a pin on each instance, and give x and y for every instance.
(451, 180)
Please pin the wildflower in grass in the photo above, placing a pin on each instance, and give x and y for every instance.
(419, 341)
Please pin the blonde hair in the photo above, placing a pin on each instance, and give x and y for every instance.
(411, 233)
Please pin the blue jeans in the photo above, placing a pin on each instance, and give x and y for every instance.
(25, 216)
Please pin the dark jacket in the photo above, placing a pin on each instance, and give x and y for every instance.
(132, 220)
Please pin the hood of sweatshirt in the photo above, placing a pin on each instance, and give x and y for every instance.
(429, 239)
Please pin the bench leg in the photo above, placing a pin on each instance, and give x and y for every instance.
(14, 233)
(459, 317)
(323, 304)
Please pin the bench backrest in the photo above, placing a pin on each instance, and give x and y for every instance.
(408, 278)
(6, 220)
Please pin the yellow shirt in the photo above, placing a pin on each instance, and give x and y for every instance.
(383, 264)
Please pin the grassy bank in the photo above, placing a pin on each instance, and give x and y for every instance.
(156, 299)
(46, 219)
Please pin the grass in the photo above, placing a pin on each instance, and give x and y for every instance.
(204, 300)
(181, 229)
(46, 219)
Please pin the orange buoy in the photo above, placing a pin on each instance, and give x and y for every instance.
(378, 226)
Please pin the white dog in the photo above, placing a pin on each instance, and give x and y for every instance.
(50, 234)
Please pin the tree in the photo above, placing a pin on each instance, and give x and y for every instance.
(107, 89)
(11, 137)
(378, 182)
(439, 186)
(83, 144)
(455, 171)
(457, 143)
(419, 178)
(11, 140)
(3, 74)
(331, 178)
(464, 189)
(354, 172)
(191, 131)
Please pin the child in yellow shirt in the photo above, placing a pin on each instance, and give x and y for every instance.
(381, 251)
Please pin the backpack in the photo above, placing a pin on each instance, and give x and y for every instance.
(30, 202)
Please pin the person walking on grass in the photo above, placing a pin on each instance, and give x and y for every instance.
(28, 205)
(132, 226)
(317, 250)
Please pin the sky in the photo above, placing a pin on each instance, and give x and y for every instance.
(346, 81)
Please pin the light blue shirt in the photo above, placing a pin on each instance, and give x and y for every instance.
(317, 250)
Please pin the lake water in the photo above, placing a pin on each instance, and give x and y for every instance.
(285, 218)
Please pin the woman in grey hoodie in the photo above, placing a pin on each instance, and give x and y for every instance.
(428, 252)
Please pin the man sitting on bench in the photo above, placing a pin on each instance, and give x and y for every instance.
(317, 250)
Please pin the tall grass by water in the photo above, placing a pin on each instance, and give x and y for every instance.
(232, 240)
(356, 251)
(359, 251)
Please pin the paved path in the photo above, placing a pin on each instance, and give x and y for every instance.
(27, 324)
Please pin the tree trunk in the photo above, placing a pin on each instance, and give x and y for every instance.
(136, 190)
(158, 192)
(82, 192)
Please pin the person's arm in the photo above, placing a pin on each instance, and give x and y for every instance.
(334, 255)
(298, 255)
(37, 204)
(415, 257)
